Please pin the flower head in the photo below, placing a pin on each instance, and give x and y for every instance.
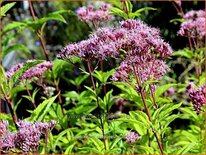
(95, 15)
(194, 25)
(132, 137)
(27, 138)
(197, 96)
(142, 49)
(36, 71)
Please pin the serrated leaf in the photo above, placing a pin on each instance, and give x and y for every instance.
(6, 8)
(42, 109)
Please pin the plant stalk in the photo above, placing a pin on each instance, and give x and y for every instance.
(99, 108)
(39, 33)
(28, 92)
(142, 94)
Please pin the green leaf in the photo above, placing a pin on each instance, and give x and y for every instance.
(144, 9)
(61, 135)
(14, 25)
(58, 67)
(91, 90)
(3, 83)
(16, 47)
(186, 148)
(189, 111)
(184, 53)
(72, 95)
(177, 20)
(129, 6)
(115, 142)
(69, 148)
(39, 113)
(161, 89)
(168, 108)
(141, 116)
(6, 8)
(118, 12)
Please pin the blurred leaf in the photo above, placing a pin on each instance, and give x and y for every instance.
(144, 9)
(184, 53)
(161, 89)
(58, 67)
(186, 148)
(69, 148)
(61, 135)
(177, 20)
(129, 6)
(6, 8)
(16, 47)
(13, 25)
(118, 12)
(3, 83)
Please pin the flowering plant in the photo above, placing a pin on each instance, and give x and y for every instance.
(101, 77)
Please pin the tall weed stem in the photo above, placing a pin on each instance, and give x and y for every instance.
(99, 108)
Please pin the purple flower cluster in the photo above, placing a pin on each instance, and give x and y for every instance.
(132, 137)
(36, 71)
(93, 15)
(140, 44)
(194, 25)
(197, 96)
(27, 138)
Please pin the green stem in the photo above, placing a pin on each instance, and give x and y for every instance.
(99, 108)
(142, 94)
(28, 92)
(39, 33)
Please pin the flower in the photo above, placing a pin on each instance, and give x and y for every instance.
(3, 127)
(8, 140)
(94, 15)
(194, 24)
(36, 71)
(142, 49)
(170, 92)
(132, 137)
(49, 91)
(27, 138)
(13, 70)
(197, 96)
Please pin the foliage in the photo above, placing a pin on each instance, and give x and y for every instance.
(94, 113)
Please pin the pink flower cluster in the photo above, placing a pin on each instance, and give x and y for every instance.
(36, 71)
(27, 138)
(141, 46)
(90, 14)
(197, 96)
(132, 137)
(194, 25)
